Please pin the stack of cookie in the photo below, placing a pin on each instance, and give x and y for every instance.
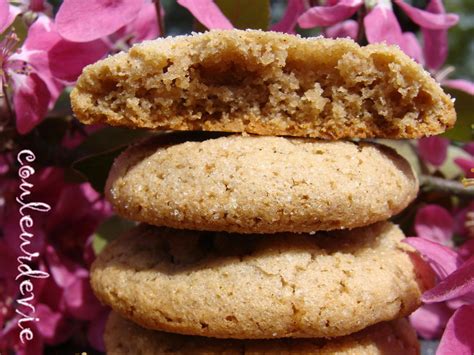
(254, 242)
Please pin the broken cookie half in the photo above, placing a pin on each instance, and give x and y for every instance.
(265, 83)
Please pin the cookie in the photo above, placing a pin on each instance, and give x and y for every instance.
(254, 184)
(248, 287)
(124, 337)
(265, 83)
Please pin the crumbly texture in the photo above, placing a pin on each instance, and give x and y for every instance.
(265, 83)
(252, 184)
(387, 338)
(248, 287)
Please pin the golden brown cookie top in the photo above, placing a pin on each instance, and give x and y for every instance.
(253, 287)
(265, 83)
(252, 184)
(125, 337)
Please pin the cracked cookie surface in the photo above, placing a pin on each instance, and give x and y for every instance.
(395, 337)
(252, 184)
(248, 287)
(265, 83)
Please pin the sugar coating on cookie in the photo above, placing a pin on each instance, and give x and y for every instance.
(254, 184)
(124, 337)
(264, 83)
(248, 287)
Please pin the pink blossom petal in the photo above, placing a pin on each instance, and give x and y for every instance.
(52, 325)
(4, 14)
(467, 249)
(348, 28)
(287, 24)
(85, 21)
(145, 25)
(469, 147)
(64, 271)
(30, 100)
(457, 284)
(457, 338)
(435, 223)
(52, 295)
(97, 205)
(460, 84)
(429, 20)
(329, 15)
(411, 46)
(40, 39)
(95, 332)
(435, 47)
(41, 35)
(433, 149)
(8, 13)
(442, 260)
(77, 55)
(430, 320)
(381, 25)
(207, 13)
(80, 301)
(467, 165)
(66, 212)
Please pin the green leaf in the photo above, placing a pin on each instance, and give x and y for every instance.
(95, 168)
(246, 13)
(463, 130)
(406, 150)
(110, 138)
(98, 152)
(52, 130)
(110, 229)
(62, 107)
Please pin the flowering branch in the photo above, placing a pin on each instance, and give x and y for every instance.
(159, 18)
(446, 186)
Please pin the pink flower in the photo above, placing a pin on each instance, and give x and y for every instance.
(380, 23)
(348, 28)
(435, 223)
(433, 149)
(457, 338)
(31, 94)
(435, 43)
(143, 26)
(64, 302)
(77, 20)
(288, 22)
(456, 289)
(36, 71)
(435, 226)
(335, 12)
(8, 14)
(207, 13)
(430, 320)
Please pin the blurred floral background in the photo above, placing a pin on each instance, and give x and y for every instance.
(45, 44)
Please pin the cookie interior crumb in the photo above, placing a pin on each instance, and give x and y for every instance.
(265, 83)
